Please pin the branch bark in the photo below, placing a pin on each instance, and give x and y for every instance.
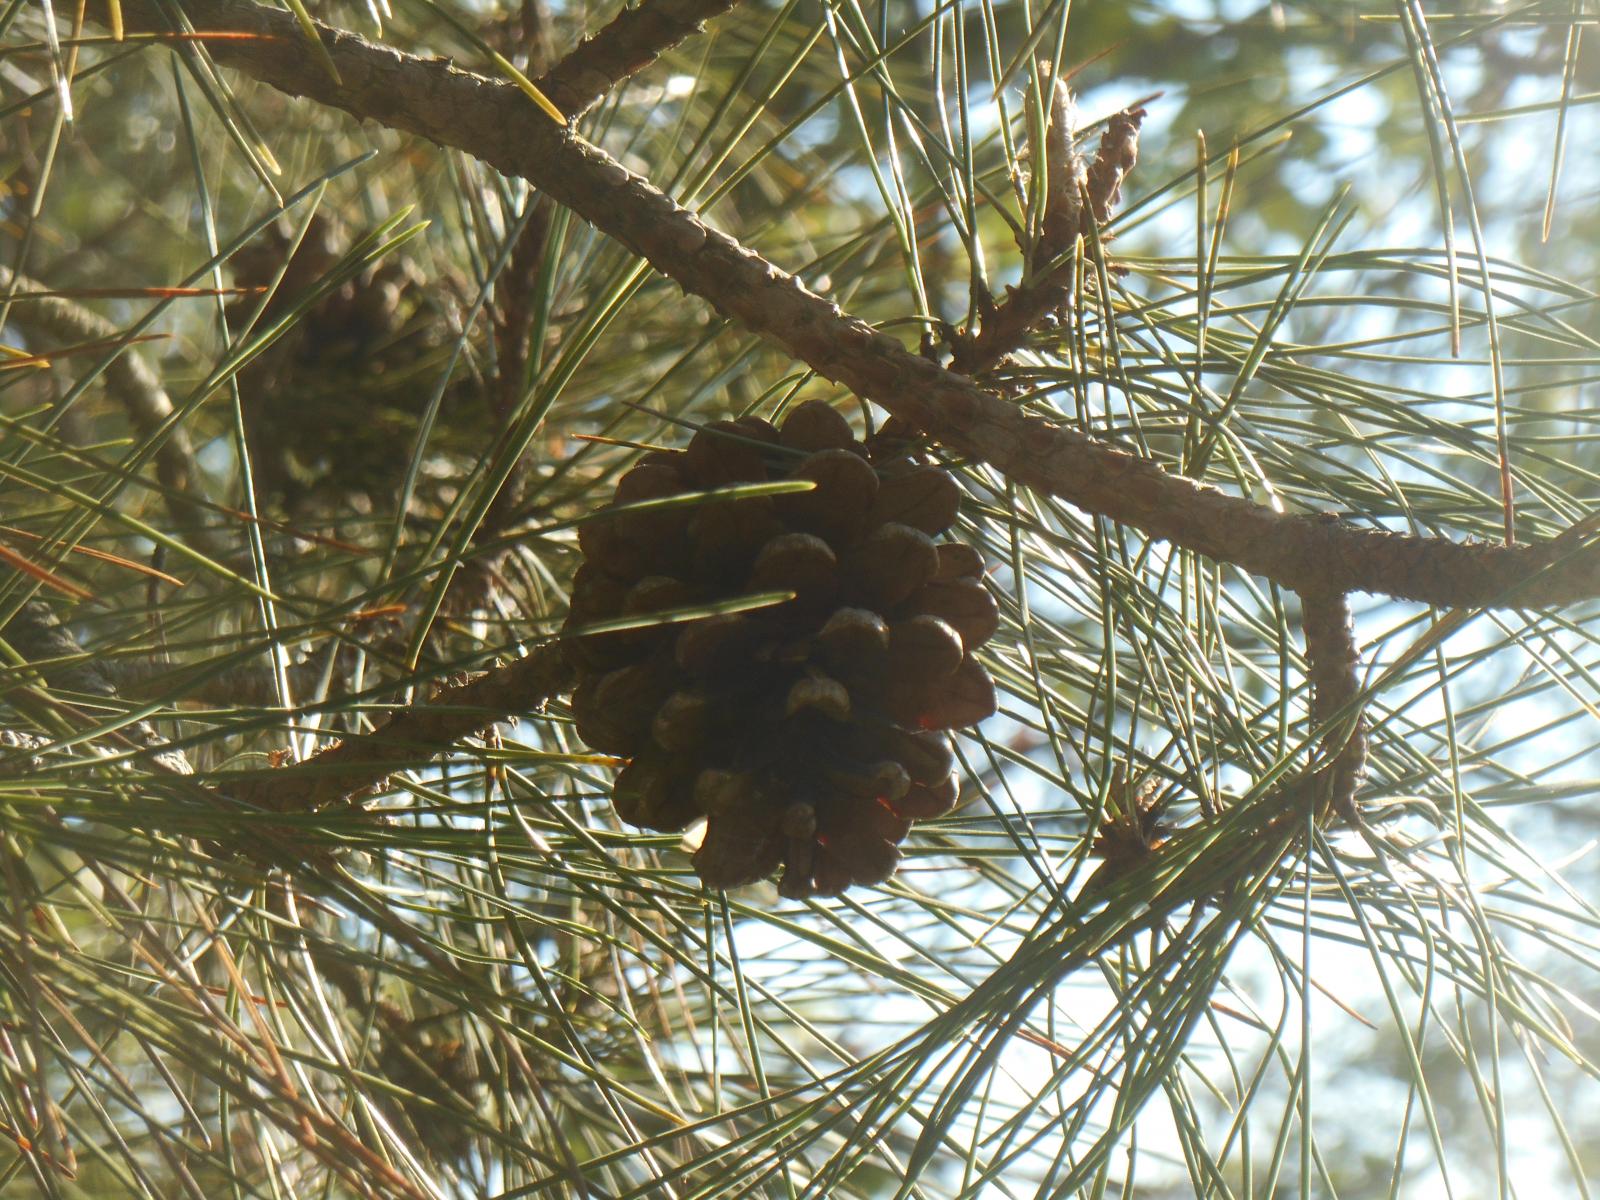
(496, 123)
(417, 733)
(629, 44)
(1333, 663)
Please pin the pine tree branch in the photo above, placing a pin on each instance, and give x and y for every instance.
(128, 377)
(1077, 202)
(626, 46)
(152, 678)
(40, 639)
(342, 770)
(496, 123)
(417, 733)
(1333, 663)
(1063, 175)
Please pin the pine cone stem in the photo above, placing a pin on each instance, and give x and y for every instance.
(428, 728)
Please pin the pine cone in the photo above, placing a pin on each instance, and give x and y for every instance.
(333, 405)
(809, 734)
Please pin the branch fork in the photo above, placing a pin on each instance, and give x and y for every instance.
(1078, 200)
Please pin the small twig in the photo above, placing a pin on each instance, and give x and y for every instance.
(1093, 194)
(425, 729)
(401, 1032)
(1064, 177)
(1118, 154)
(1332, 665)
(629, 44)
(512, 317)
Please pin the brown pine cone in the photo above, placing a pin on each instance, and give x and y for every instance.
(809, 734)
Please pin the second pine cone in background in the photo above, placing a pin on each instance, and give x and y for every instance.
(810, 734)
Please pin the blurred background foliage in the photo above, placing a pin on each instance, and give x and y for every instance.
(405, 380)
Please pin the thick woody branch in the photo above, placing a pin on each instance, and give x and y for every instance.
(417, 733)
(496, 123)
(629, 44)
